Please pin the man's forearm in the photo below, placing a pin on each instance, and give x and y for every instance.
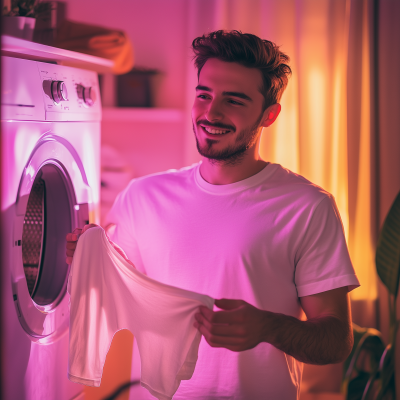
(323, 340)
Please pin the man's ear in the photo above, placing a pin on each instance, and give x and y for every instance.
(271, 114)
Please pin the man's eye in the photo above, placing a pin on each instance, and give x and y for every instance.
(235, 102)
(202, 96)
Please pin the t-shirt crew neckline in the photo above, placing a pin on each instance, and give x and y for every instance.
(235, 187)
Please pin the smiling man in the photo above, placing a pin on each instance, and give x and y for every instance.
(228, 115)
(262, 240)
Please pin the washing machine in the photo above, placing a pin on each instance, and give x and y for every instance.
(50, 155)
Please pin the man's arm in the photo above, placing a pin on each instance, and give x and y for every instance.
(325, 338)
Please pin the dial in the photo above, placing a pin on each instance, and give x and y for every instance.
(59, 91)
(87, 94)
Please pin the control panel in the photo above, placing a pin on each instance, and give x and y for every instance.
(69, 93)
(48, 92)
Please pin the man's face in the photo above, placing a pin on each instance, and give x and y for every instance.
(227, 111)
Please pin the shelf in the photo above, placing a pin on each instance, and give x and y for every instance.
(19, 48)
(142, 114)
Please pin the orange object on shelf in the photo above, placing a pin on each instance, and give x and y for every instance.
(97, 41)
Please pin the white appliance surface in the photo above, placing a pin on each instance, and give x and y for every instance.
(20, 48)
(50, 155)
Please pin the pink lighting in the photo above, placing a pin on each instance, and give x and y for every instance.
(338, 128)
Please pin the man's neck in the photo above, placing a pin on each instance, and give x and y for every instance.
(220, 173)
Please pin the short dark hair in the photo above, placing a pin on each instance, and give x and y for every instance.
(250, 51)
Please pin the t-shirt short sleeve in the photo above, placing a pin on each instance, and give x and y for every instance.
(124, 235)
(322, 260)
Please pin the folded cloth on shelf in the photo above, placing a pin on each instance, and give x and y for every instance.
(97, 41)
(108, 294)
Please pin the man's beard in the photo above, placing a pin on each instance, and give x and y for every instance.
(232, 154)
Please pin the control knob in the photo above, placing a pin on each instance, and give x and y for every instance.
(59, 91)
(87, 94)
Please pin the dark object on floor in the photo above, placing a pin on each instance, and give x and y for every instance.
(368, 371)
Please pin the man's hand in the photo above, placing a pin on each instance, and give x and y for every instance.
(325, 338)
(72, 240)
(240, 327)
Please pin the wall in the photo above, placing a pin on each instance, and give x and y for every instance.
(157, 29)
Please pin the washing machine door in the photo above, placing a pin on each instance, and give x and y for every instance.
(53, 199)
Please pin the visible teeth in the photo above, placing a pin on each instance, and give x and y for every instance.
(214, 131)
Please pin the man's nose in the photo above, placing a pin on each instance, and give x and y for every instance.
(214, 111)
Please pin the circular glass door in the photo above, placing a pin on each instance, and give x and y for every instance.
(53, 199)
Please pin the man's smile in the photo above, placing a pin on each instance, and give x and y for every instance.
(215, 131)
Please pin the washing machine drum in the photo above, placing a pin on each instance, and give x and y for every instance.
(52, 201)
(48, 218)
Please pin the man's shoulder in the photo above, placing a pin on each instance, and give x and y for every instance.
(296, 185)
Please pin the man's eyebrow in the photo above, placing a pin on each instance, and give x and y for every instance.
(238, 94)
(234, 94)
(205, 88)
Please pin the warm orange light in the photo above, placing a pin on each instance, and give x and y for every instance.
(311, 136)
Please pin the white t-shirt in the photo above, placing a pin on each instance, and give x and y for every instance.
(268, 239)
(107, 295)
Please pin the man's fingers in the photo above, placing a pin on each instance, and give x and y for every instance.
(72, 237)
(220, 329)
(237, 328)
(228, 342)
(88, 226)
(229, 304)
(223, 317)
(70, 252)
(71, 245)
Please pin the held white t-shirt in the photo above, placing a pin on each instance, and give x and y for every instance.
(268, 239)
(108, 294)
